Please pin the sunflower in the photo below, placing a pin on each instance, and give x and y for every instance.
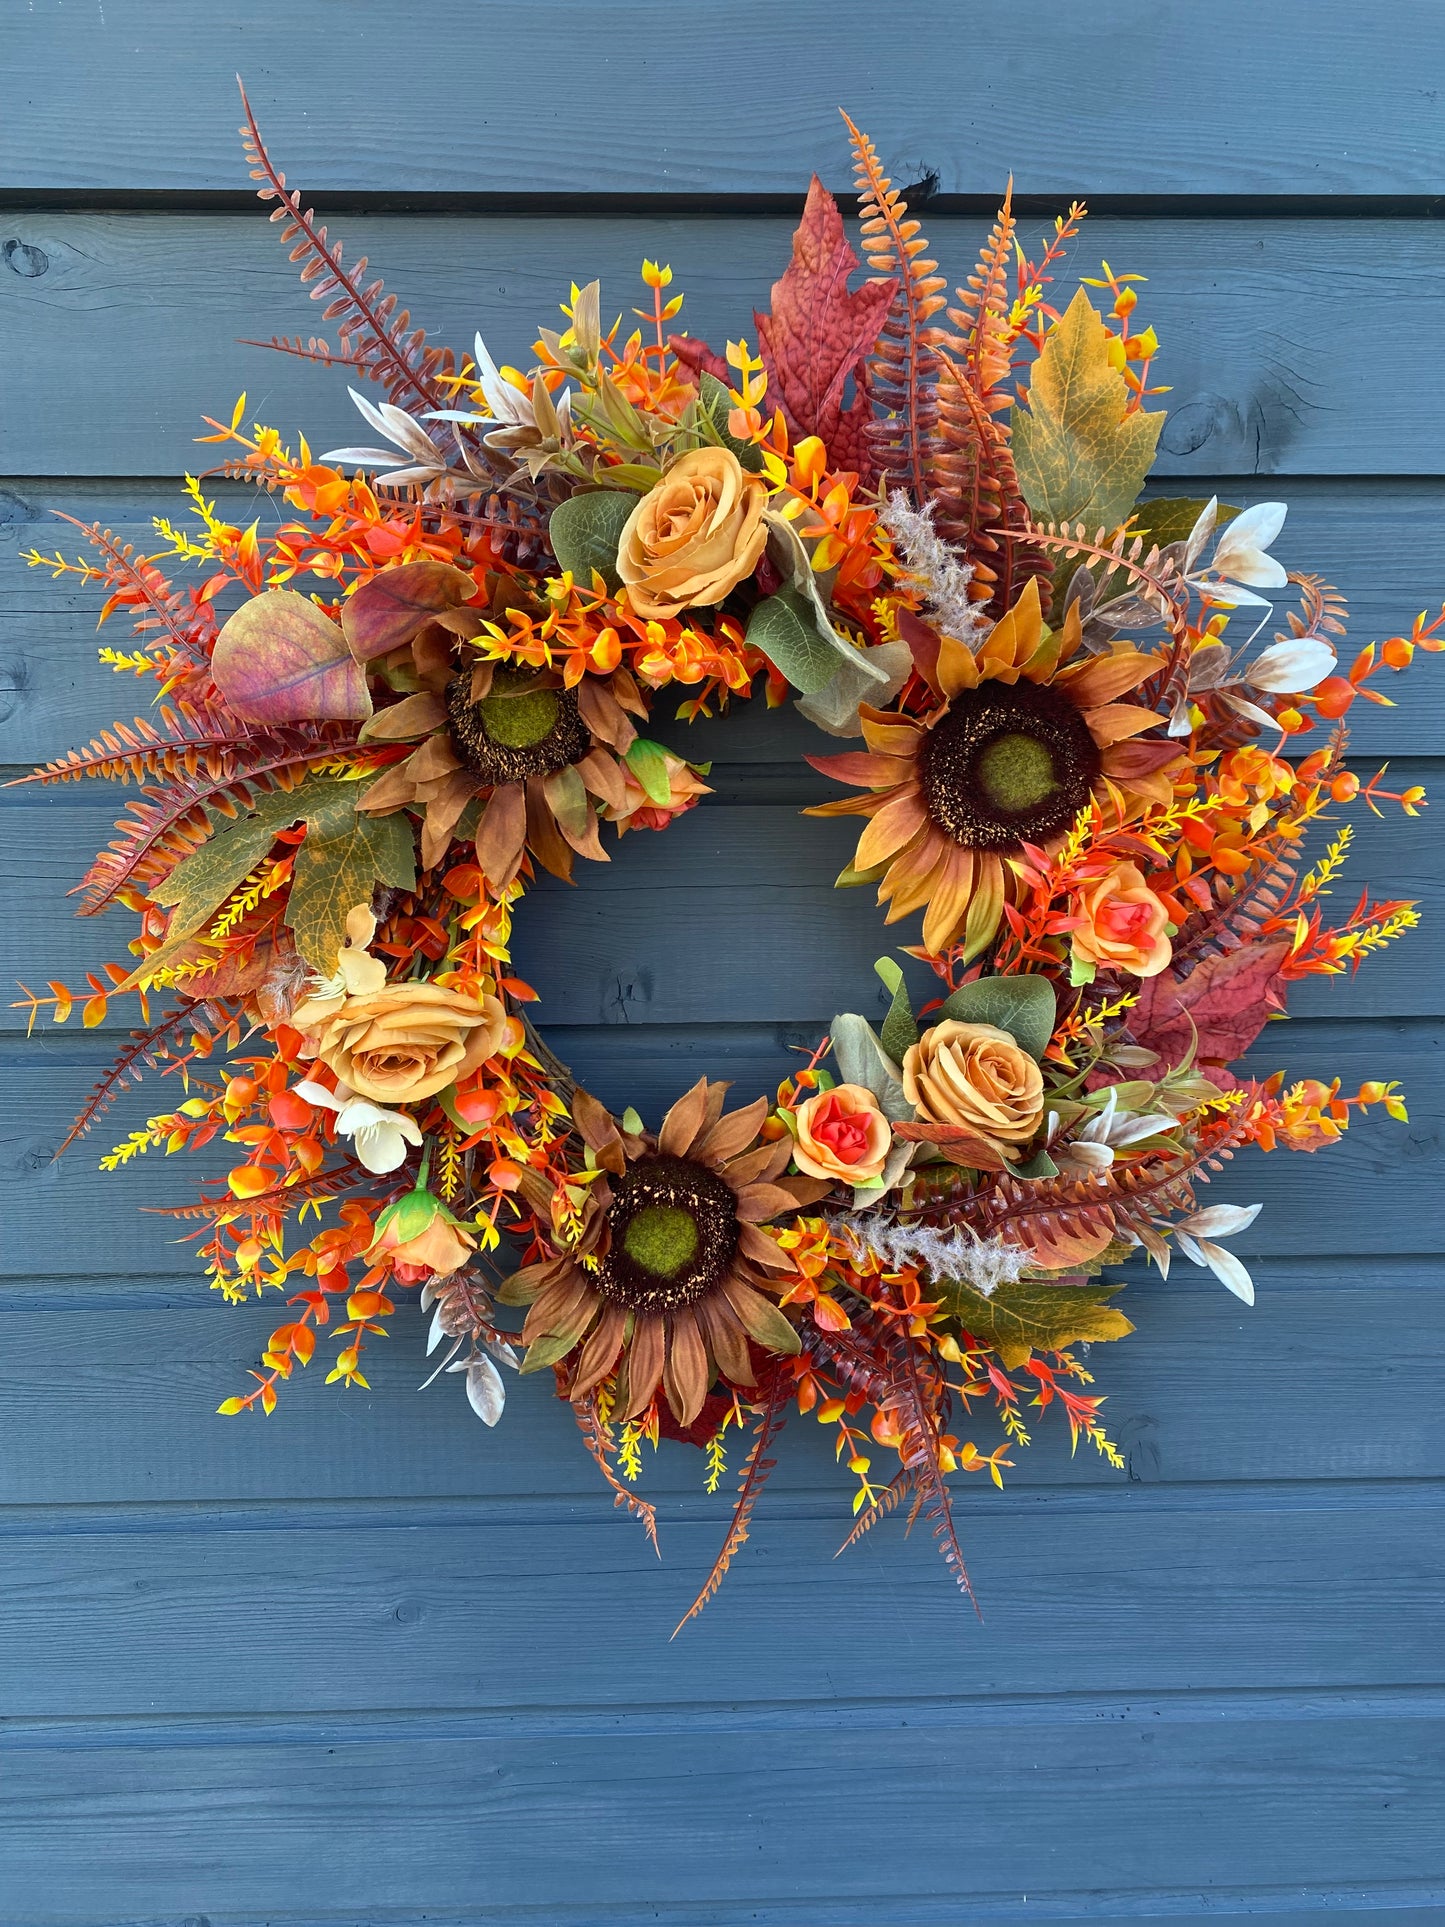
(663, 1277)
(1025, 732)
(542, 755)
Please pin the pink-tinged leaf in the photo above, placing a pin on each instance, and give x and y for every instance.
(279, 660)
(698, 358)
(1227, 1000)
(819, 335)
(398, 603)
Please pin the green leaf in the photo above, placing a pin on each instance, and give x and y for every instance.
(1024, 1006)
(716, 404)
(586, 532)
(861, 1059)
(1021, 1318)
(1080, 457)
(1170, 518)
(344, 857)
(632, 1122)
(648, 763)
(201, 884)
(782, 627)
(1040, 1165)
(761, 1319)
(1081, 971)
(899, 1028)
(547, 1349)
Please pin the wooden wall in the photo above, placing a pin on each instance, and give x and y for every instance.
(368, 1662)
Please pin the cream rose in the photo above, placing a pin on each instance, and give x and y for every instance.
(1124, 927)
(843, 1135)
(976, 1077)
(694, 536)
(404, 1042)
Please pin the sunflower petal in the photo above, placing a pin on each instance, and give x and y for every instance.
(763, 1164)
(985, 910)
(733, 1133)
(758, 1248)
(501, 834)
(685, 1368)
(948, 904)
(760, 1318)
(1101, 679)
(683, 1121)
(727, 1338)
(1116, 722)
(644, 1363)
(895, 825)
(862, 767)
(759, 1202)
(600, 1353)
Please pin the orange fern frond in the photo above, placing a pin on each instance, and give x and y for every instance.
(129, 752)
(903, 366)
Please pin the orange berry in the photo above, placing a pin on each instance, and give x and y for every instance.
(1345, 787)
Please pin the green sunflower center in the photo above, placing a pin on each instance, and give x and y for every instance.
(517, 718)
(1017, 772)
(674, 1231)
(662, 1238)
(520, 728)
(1007, 763)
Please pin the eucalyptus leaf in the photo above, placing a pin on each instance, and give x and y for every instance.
(861, 1059)
(900, 1028)
(586, 532)
(1024, 1006)
(1040, 1165)
(783, 628)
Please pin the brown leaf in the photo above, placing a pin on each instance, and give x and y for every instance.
(398, 603)
(279, 660)
(1227, 998)
(958, 1146)
(819, 336)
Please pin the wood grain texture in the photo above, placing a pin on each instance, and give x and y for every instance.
(1097, 102)
(181, 1614)
(1259, 323)
(1320, 1793)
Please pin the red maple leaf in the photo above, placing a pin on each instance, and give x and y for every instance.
(1228, 999)
(820, 334)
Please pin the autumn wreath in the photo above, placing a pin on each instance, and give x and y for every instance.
(1091, 787)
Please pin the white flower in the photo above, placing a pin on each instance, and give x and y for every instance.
(1090, 1152)
(1195, 1237)
(381, 1136)
(1290, 668)
(1239, 555)
(427, 460)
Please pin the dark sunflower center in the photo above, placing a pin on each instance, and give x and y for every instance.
(674, 1233)
(1009, 763)
(518, 729)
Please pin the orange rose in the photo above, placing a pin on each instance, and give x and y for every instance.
(976, 1077)
(421, 1236)
(404, 1042)
(1124, 927)
(842, 1134)
(638, 811)
(694, 536)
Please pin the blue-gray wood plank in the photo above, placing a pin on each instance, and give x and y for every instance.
(366, 1662)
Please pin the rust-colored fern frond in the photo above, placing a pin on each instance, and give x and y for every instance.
(754, 1477)
(1323, 610)
(1240, 919)
(164, 825)
(595, 1437)
(348, 1174)
(903, 367)
(130, 752)
(918, 1401)
(377, 337)
(980, 507)
(313, 348)
(147, 1050)
(136, 583)
(879, 1508)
